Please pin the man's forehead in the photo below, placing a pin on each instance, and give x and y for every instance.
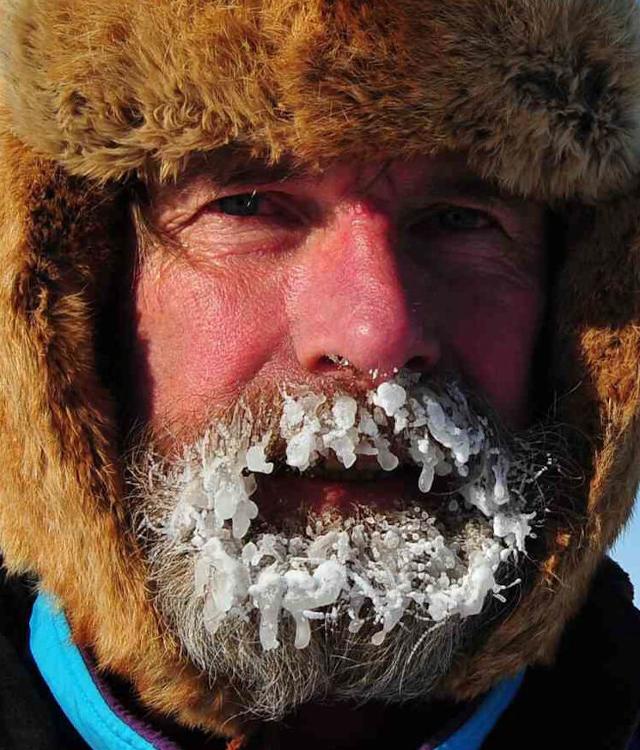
(446, 173)
(230, 168)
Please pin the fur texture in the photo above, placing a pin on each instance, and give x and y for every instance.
(61, 513)
(542, 94)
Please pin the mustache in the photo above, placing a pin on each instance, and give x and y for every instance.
(258, 412)
(541, 463)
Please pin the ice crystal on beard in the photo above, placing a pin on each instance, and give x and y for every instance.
(385, 569)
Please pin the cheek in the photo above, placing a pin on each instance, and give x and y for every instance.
(201, 336)
(493, 333)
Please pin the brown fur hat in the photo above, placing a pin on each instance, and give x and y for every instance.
(543, 95)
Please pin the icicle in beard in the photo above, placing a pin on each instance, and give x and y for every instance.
(372, 604)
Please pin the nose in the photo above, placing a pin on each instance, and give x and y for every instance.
(355, 304)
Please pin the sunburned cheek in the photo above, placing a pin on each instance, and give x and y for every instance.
(201, 338)
(501, 376)
(494, 343)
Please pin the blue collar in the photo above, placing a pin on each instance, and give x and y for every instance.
(105, 725)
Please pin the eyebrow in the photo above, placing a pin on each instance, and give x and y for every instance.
(260, 174)
(472, 186)
(252, 172)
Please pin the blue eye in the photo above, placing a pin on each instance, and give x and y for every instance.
(461, 219)
(244, 204)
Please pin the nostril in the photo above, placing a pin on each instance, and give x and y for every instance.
(331, 362)
(338, 359)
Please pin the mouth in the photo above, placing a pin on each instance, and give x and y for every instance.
(332, 490)
(393, 452)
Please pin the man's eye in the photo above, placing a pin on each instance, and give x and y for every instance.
(456, 218)
(244, 204)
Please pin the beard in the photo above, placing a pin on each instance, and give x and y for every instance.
(290, 600)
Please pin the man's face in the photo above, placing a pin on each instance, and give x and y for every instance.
(419, 265)
(332, 284)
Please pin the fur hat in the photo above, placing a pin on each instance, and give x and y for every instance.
(543, 96)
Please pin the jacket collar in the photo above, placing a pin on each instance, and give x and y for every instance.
(106, 725)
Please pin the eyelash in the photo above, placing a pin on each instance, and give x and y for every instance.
(243, 200)
(438, 214)
(270, 207)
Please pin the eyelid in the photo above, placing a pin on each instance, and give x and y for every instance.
(443, 207)
(291, 207)
(204, 204)
(498, 216)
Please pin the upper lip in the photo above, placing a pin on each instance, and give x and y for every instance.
(366, 467)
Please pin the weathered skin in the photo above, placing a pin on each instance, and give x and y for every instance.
(354, 262)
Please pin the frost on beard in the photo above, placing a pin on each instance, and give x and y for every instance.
(373, 569)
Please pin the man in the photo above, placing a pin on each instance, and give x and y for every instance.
(319, 373)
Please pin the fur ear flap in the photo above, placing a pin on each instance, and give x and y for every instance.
(596, 356)
(543, 94)
(61, 500)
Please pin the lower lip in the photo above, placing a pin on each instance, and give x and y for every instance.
(278, 496)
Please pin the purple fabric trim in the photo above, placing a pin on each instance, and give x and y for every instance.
(160, 742)
(146, 731)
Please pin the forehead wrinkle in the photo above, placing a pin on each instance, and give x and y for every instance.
(242, 171)
(382, 173)
(473, 187)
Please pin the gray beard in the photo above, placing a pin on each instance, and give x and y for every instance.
(338, 664)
